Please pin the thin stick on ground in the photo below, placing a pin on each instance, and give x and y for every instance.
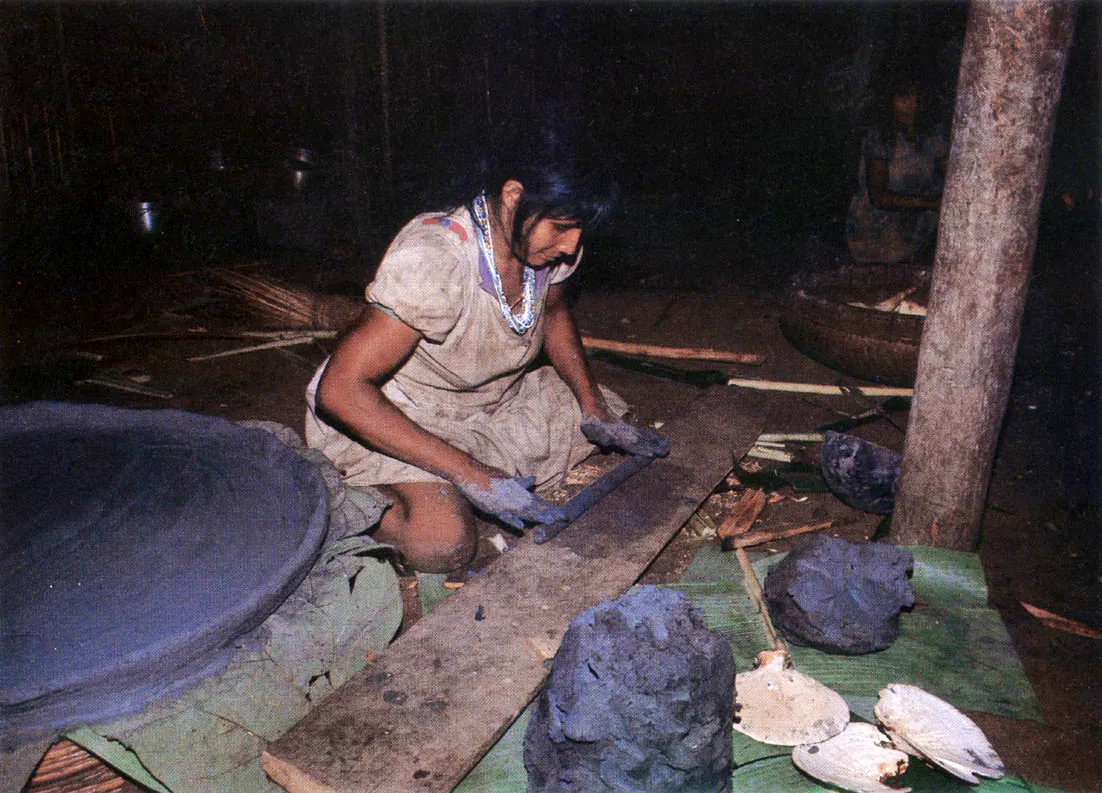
(761, 536)
(753, 589)
(270, 345)
(682, 353)
(814, 388)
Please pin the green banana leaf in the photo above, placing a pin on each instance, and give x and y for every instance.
(952, 644)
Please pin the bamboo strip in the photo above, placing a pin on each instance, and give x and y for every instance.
(4, 152)
(813, 388)
(289, 334)
(270, 345)
(753, 589)
(764, 453)
(30, 150)
(792, 437)
(124, 385)
(206, 334)
(1056, 622)
(683, 353)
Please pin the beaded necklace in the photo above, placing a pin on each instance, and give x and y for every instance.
(522, 321)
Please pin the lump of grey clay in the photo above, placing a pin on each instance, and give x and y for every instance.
(639, 699)
(840, 597)
(860, 473)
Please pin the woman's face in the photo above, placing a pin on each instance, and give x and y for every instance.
(905, 106)
(549, 240)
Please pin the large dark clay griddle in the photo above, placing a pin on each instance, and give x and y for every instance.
(135, 546)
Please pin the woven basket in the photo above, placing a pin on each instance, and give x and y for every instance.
(879, 346)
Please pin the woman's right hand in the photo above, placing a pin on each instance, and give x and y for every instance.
(508, 498)
(350, 395)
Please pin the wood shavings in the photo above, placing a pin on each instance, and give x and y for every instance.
(582, 474)
(545, 648)
(745, 512)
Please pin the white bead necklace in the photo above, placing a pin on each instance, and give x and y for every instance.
(522, 321)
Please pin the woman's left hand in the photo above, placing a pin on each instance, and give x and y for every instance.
(615, 433)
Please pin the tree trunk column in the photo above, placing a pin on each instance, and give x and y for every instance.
(1011, 73)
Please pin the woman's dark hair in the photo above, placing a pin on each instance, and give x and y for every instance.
(899, 79)
(565, 174)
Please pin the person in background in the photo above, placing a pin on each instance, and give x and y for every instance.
(893, 216)
(436, 395)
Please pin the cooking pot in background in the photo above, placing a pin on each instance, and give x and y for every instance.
(301, 170)
(145, 217)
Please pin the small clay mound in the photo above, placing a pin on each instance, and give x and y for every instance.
(839, 596)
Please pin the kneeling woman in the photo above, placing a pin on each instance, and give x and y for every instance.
(432, 397)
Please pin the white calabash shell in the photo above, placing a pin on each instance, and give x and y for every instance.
(928, 727)
(860, 758)
(777, 705)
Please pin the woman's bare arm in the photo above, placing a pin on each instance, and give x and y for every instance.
(350, 397)
(563, 345)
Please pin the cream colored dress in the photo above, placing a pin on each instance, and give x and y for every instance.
(469, 380)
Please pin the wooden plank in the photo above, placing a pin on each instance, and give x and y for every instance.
(426, 709)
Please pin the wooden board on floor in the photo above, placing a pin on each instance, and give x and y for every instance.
(426, 709)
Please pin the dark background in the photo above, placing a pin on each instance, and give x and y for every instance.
(736, 125)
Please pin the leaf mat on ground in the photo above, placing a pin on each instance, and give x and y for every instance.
(952, 644)
(779, 775)
(759, 769)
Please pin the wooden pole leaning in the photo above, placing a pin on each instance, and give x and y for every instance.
(1010, 80)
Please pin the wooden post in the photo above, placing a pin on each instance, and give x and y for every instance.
(1011, 74)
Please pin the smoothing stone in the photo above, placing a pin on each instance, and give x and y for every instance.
(136, 546)
(860, 473)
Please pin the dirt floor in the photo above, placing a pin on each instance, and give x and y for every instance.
(1039, 541)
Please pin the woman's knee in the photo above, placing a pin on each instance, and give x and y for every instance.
(441, 554)
(432, 526)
